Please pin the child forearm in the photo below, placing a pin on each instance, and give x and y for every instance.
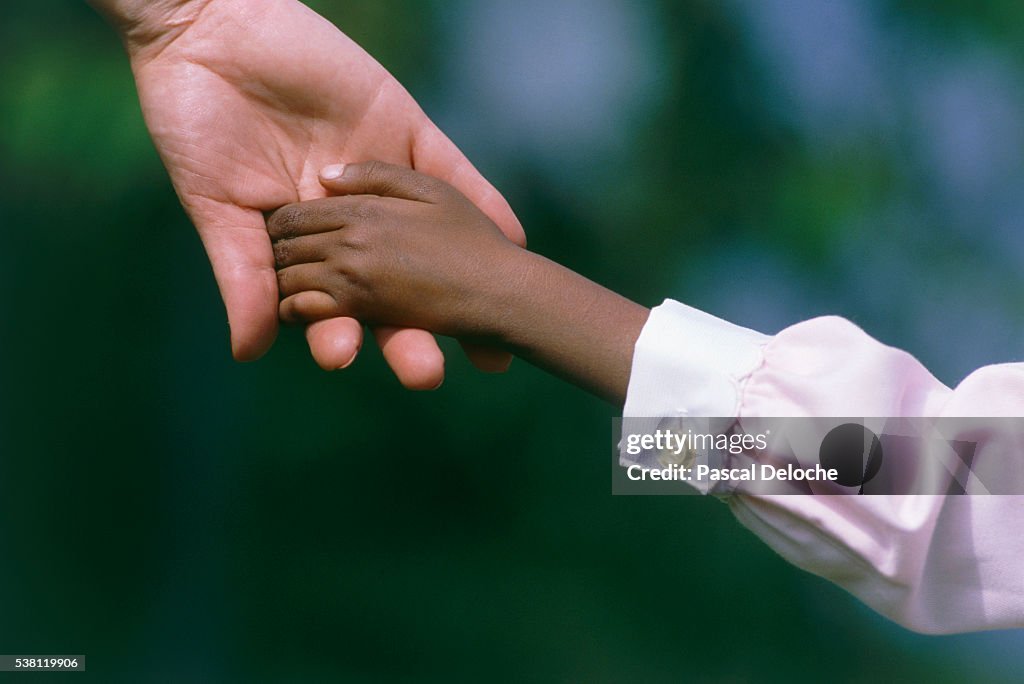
(570, 326)
(397, 247)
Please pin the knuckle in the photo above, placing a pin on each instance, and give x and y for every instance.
(349, 267)
(355, 238)
(381, 176)
(347, 290)
(340, 263)
(362, 247)
(373, 169)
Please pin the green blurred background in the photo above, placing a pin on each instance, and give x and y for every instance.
(180, 517)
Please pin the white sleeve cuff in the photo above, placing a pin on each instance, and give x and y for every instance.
(689, 363)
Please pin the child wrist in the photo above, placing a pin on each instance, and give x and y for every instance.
(509, 297)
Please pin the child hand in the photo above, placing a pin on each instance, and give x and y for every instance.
(396, 248)
(399, 248)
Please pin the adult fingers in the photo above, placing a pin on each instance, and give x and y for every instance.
(436, 155)
(335, 342)
(413, 355)
(243, 264)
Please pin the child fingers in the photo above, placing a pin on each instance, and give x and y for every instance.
(435, 154)
(308, 306)
(302, 250)
(385, 180)
(310, 217)
(300, 278)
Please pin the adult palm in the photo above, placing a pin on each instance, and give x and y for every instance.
(246, 100)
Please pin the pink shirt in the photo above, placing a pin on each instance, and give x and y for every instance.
(934, 564)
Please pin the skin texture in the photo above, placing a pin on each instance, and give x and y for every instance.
(396, 247)
(246, 100)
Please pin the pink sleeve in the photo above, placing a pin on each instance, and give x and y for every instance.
(933, 564)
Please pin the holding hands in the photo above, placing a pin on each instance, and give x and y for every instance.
(396, 248)
(399, 248)
(246, 100)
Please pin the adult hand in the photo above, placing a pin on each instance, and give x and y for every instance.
(246, 100)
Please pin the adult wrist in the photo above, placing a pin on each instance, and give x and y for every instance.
(149, 25)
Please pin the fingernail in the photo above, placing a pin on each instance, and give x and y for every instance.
(349, 362)
(332, 172)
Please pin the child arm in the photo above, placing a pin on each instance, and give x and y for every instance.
(400, 248)
(415, 255)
